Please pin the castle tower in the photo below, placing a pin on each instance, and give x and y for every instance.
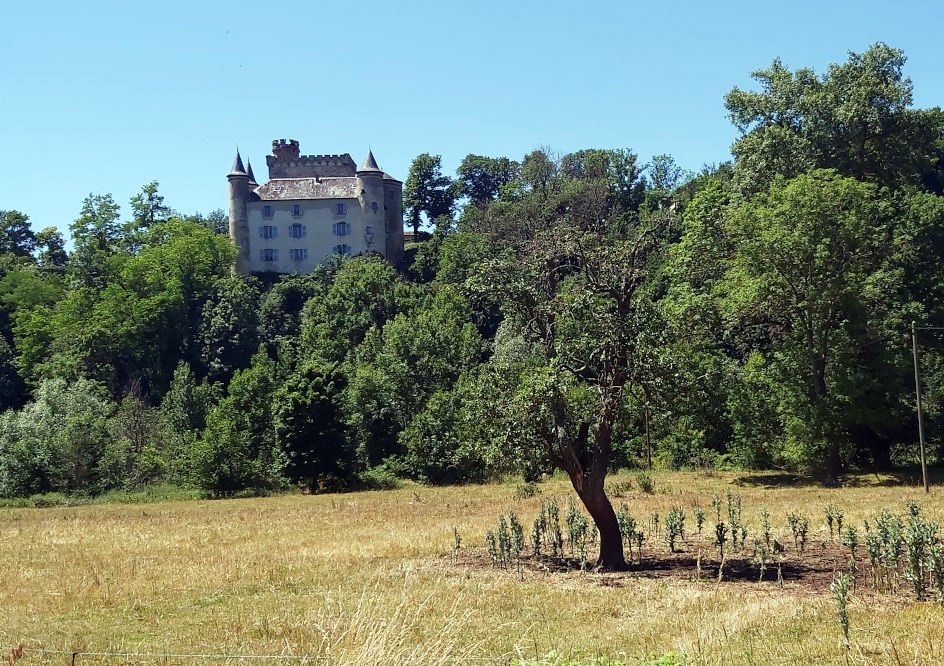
(238, 212)
(371, 197)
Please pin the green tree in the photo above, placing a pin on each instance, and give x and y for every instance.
(309, 428)
(183, 417)
(147, 207)
(16, 236)
(143, 322)
(539, 170)
(810, 265)
(481, 178)
(281, 306)
(427, 191)
(577, 297)
(229, 327)
(237, 448)
(134, 456)
(52, 248)
(402, 365)
(12, 387)
(55, 443)
(97, 235)
(365, 292)
(855, 119)
(97, 224)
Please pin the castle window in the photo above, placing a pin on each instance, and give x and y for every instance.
(268, 255)
(297, 231)
(368, 229)
(374, 206)
(299, 254)
(341, 228)
(268, 231)
(342, 249)
(341, 209)
(267, 211)
(296, 210)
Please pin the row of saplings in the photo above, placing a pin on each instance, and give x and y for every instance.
(908, 549)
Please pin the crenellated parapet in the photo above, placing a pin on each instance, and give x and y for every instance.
(287, 162)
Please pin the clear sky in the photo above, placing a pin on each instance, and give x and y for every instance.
(105, 97)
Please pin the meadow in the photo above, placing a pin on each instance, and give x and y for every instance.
(375, 577)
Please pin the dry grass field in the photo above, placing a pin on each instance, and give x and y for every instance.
(372, 578)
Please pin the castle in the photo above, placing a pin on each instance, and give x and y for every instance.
(310, 208)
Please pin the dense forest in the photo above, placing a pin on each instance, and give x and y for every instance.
(581, 312)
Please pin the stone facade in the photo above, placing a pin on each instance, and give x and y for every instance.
(310, 208)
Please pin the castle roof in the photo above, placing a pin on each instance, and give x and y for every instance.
(370, 164)
(238, 168)
(252, 177)
(307, 188)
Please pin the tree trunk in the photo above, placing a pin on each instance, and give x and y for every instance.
(601, 511)
(881, 451)
(833, 465)
(879, 446)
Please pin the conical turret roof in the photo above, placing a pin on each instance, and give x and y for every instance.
(252, 177)
(370, 164)
(238, 168)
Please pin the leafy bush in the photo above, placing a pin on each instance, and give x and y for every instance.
(56, 442)
(527, 490)
(674, 526)
(644, 481)
(381, 477)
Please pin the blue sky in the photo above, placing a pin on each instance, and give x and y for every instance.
(105, 97)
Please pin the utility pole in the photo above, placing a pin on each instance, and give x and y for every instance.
(924, 466)
(648, 441)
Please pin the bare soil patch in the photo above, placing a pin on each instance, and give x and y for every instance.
(808, 572)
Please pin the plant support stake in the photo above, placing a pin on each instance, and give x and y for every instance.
(924, 466)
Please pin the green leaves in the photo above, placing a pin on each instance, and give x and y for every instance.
(806, 256)
(854, 119)
(427, 191)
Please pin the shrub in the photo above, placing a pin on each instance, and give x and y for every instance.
(799, 527)
(527, 490)
(699, 518)
(721, 536)
(644, 481)
(381, 477)
(840, 590)
(674, 526)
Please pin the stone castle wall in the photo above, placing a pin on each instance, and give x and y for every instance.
(285, 162)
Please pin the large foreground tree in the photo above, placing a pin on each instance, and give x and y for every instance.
(578, 298)
(576, 291)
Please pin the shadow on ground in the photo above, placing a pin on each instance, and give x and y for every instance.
(901, 477)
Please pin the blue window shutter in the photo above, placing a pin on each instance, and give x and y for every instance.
(261, 255)
(275, 255)
(260, 232)
(275, 232)
(304, 230)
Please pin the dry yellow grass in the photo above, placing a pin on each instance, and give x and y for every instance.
(369, 578)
